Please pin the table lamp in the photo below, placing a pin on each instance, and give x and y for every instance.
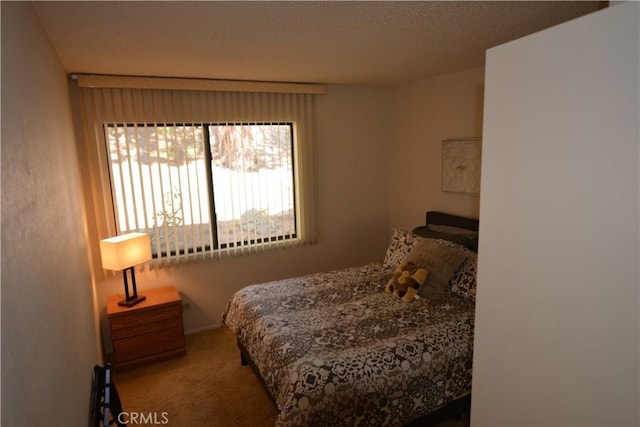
(123, 253)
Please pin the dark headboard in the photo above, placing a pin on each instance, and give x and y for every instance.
(441, 218)
(468, 240)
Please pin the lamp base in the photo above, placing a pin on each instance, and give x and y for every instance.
(132, 301)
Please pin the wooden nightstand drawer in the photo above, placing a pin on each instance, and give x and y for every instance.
(148, 345)
(152, 320)
(149, 331)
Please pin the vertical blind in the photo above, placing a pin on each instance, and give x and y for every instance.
(206, 173)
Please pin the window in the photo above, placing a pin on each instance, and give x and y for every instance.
(194, 187)
(208, 168)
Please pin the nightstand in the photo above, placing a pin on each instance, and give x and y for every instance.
(149, 331)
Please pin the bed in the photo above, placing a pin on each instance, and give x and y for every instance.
(337, 348)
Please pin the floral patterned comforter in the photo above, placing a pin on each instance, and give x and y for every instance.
(335, 349)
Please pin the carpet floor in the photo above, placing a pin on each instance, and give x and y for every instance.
(207, 387)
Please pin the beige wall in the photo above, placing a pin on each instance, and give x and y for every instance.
(422, 115)
(353, 188)
(49, 341)
(557, 310)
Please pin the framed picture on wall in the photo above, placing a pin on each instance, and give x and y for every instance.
(461, 160)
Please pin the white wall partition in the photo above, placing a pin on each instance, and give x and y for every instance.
(557, 339)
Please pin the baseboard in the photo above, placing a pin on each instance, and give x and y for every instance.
(206, 328)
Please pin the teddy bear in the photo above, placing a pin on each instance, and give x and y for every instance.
(406, 281)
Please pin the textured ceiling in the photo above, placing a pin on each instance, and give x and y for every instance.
(362, 42)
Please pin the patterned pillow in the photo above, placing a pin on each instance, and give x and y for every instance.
(440, 260)
(400, 245)
(464, 282)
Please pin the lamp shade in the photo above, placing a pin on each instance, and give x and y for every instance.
(127, 250)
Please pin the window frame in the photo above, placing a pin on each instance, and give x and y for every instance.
(210, 186)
